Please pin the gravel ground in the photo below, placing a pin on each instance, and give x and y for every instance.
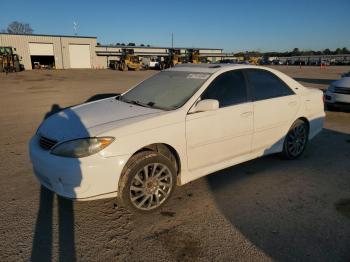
(266, 209)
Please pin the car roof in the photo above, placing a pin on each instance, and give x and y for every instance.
(208, 68)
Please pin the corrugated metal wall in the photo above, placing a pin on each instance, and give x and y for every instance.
(60, 45)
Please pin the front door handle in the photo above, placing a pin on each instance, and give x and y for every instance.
(247, 114)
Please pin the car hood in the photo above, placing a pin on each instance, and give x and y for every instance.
(89, 119)
(344, 82)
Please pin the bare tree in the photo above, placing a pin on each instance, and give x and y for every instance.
(16, 27)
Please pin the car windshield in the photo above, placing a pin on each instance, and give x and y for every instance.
(166, 90)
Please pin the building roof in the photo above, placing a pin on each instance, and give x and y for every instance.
(158, 47)
(70, 36)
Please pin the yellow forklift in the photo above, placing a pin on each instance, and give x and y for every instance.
(128, 60)
(9, 62)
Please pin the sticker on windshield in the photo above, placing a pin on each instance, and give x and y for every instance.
(198, 76)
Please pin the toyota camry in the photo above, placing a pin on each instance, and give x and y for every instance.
(179, 125)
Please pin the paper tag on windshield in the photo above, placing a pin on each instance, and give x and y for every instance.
(198, 76)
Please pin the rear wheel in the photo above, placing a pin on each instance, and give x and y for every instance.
(296, 140)
(147, 182)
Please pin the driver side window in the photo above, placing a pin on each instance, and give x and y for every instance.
(229, 89)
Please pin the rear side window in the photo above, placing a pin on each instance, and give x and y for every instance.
(266, 85)
(229, 88)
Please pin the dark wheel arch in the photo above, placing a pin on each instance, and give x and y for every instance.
(166, 150)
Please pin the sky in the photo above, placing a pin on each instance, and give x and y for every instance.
(237, 25)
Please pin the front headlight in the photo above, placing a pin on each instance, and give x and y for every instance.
(82, 147)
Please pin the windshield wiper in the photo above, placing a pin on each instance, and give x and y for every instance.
(134, 102)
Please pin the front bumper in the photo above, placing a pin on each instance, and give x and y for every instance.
(335, 98)
(85, 178)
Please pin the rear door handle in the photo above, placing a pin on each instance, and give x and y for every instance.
(293, 103)
(247, 114)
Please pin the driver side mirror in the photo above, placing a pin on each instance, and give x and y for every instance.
(205, 105)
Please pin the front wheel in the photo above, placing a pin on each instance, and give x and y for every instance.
(147, 182)
(296, 140)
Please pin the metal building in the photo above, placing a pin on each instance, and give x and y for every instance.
(64, 52)
(57, 51)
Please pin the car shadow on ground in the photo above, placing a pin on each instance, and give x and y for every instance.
(343, 108)
(292, 210)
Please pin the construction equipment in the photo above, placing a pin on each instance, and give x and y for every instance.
(9, 62)
(254, 60)
(172, 59)
(128, 60)
(194, 57)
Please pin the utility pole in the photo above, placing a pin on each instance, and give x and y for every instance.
(172, 40)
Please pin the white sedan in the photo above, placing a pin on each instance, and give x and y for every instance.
(179, 125)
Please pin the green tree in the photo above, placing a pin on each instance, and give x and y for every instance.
(345, 50)
(327, 51)
(338, 51)
(16, 27)
(295, 52)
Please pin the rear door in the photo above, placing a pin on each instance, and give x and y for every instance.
(275, 106)
(225, 133)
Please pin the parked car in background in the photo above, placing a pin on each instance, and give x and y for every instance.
(151, 62)
(179, 125)
(338, 93)
(277, 62)
(346, 74)
(228, 61)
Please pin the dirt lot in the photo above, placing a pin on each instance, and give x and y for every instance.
(266, 209)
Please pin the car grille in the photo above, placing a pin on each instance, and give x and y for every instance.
(342, 90)
(46, 143)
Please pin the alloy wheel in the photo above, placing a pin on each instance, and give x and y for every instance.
(151, 186)
(296, 140)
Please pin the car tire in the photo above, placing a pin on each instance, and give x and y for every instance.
(147, 182)
(296, 140)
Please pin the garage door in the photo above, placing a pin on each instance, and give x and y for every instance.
(40, 49)
(79, 56)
